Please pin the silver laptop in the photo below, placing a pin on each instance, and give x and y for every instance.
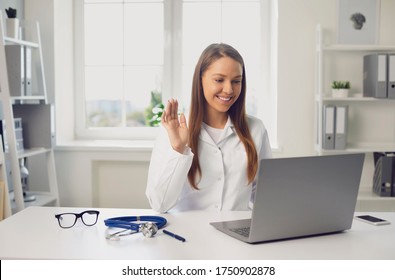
(299, 197)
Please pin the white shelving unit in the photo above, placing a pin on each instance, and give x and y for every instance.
(367, 116)
(5, 204)
(36, 115)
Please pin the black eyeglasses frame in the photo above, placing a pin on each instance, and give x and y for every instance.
(78, 215)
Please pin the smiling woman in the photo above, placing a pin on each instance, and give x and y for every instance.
(212, 161)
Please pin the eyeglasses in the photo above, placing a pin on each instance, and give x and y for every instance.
(68, 220)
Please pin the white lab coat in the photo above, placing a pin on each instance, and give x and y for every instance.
(224, 183)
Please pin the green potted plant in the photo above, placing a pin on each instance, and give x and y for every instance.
(340, 89)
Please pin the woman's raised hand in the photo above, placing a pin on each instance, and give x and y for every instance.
(176, 126)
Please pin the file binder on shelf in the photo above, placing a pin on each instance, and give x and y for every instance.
(384, 174)
(391, 76)
(334, 127)
(16, 69)
(328, 129)
(375, 75)
(19, 67)
(341, 127)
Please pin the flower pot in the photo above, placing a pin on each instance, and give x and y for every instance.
(12, 25)
(340, 93)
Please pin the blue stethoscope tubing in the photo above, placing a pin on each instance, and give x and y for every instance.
(127, 222)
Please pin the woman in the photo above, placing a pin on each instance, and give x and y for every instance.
(211, 162)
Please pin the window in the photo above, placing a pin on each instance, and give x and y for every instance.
(133, 55)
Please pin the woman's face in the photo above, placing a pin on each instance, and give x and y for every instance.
(222, 85)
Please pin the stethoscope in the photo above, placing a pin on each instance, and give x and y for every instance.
(148, 225)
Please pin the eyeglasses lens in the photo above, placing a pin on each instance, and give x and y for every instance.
(89, 218)
(67, 220)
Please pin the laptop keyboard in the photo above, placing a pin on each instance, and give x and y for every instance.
(244, 231)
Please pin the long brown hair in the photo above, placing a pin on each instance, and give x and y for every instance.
(236, 113)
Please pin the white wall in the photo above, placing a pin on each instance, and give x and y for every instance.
(112, 178)
(296, 54)
(115, 177)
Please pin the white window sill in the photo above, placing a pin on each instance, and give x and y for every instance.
(118, 145)
(106, 145)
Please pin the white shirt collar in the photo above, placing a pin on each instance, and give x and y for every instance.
(227, 131)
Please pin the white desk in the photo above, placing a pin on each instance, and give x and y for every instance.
(34, 233)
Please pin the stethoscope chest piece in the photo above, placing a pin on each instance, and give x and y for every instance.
(147, 225)
(149, 229)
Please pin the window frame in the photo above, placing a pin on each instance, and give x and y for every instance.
(172, 69)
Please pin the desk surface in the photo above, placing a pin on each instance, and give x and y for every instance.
(35, 234)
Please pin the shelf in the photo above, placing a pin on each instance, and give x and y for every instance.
(32, 152)
(371, 147)
(30, 98)
(356, 98)
(20, 42)
(357, 148)
(370, 195)
(362, 48)
(362, 148)
(368, 201)
(364, 135)
(42, 199)
(37, 131)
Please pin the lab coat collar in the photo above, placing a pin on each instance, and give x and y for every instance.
(228, 130)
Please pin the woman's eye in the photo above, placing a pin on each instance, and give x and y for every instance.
(218, 80)
(237, 82)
